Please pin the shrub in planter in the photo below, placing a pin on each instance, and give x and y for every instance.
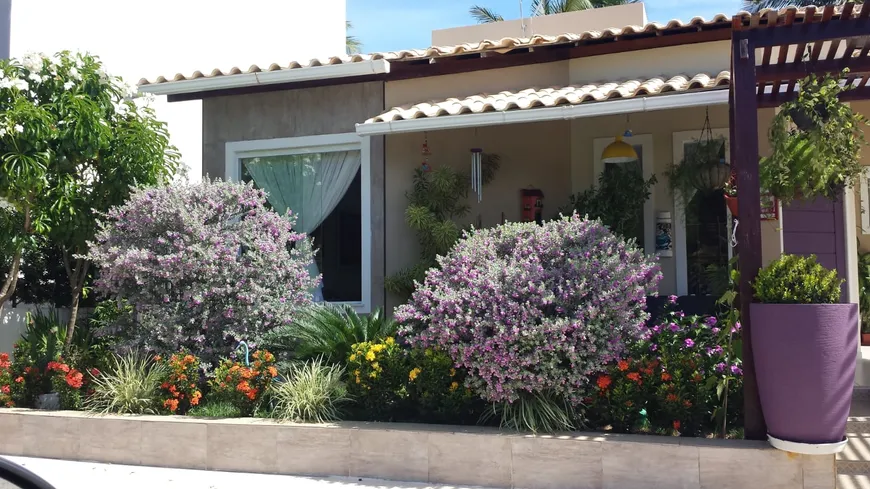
(532, 312)
(203, 266)
(244, 386)
(673, 380)
(378, 373)
(180, 387)
(131, 385)
(805, 347)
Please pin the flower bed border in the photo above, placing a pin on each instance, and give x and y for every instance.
(429, 453)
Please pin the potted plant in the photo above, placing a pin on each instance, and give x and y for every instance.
(805, 349)
(704, 168)
(730, 194)
(816, 142)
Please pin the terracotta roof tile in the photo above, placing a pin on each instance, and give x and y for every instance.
(551, 97)
(506, 44)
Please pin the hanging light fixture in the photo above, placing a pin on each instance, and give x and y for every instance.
(619, 151)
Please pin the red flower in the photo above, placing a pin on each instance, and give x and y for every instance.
(5, 389)
(623, 365)
(74, 379)
(677, 425)
(634, 377)
(95, 372)
(604, 382)
(687, 403)
(666, 376)
(671, 398)
(19, 380)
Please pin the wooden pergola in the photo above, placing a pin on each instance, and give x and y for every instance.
(770, 53)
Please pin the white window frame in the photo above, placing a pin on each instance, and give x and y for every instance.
(646, 143)
(238, 150)
(680, 253)
(865, 201)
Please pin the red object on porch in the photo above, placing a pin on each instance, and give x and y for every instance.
(533, 205)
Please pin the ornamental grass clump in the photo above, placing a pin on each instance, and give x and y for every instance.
(203, 266)
(130, 386)
(533, 311)
(311, 392)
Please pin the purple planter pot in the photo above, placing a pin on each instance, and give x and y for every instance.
(805, 365)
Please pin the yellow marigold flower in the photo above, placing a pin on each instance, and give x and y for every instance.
(390, 340)
(356, 372)
(373, 375)
(452, 372)
(414, 373)
(370, 356)
(378, 348)
(454, 386)
(352, 357)
(376, 366)
(357, 380)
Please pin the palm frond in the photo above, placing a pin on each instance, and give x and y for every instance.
(484, 15)
(352, 43)
(758, 5)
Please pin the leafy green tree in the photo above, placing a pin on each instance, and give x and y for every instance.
(485, 15)
(757, 5)
(73, 141)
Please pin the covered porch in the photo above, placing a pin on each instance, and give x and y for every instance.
(552, 140)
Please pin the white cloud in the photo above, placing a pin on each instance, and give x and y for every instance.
(164, 37)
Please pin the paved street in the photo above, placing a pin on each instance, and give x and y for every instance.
(82, 475)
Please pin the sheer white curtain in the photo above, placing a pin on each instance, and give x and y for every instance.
(310, 185)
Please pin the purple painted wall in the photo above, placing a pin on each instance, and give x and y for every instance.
(816, 228)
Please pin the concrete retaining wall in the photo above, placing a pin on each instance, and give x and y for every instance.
(426, 453)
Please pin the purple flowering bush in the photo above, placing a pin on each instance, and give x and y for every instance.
(674, 379)
(203, 266)
(532, 312)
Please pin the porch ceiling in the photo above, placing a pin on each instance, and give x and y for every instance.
(544, 103)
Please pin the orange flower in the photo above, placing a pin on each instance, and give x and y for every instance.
(677, 425)
(604, 382)
(697, 378)
(634, 377)
(189, 359)
(194, 400)
(666, 376)
(687, 403)
(243, 386)
(164, 385)
(648, 371)
(19, 380)
(247, 373)
(623, 365)
(158, 358)
(74, 379)
(5, 389)
(171, 404)
(671, 397)
(273, 371)
(252, 394)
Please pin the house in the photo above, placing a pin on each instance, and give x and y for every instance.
(547, 95)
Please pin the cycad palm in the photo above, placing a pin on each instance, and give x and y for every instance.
(484, 15)
(756, 5)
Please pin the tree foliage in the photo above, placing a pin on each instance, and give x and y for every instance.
(758, 5)
(484, 15)
(73, 140)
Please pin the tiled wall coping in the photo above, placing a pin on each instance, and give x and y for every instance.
(412, 452)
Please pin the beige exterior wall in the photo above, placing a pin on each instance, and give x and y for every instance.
(536, 155)
(586, 20)
(863, 239)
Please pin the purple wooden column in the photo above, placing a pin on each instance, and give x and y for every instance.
(744, 160)
(816, 227)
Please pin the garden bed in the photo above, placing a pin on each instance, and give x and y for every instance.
(409, 452)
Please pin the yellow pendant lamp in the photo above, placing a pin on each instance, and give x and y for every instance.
(619, 151)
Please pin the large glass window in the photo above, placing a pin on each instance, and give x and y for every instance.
(324, 191)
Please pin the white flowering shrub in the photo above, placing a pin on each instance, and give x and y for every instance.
(73, 141)
(204, 266)
(533, 310)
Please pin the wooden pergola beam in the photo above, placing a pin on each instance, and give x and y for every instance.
(799, 70)
(744, 161)
(809, 32)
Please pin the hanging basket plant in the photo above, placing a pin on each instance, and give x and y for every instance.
(704, 167)
(816, 143)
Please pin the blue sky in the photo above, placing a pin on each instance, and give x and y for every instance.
(390, 25)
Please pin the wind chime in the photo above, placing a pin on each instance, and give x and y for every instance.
(426, 153)
(477, 173)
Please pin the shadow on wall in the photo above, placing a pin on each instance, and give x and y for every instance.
(12, 323)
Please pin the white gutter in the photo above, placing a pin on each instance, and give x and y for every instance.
(609, 107)
(287, 75)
